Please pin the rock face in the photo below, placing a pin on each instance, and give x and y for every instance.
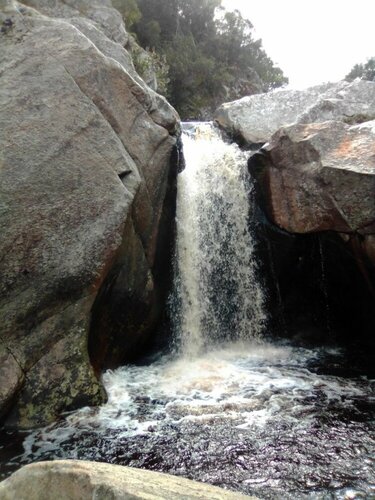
(316, 182)
(253, 119)
(319, 177)
(85, 164)
(73, 480)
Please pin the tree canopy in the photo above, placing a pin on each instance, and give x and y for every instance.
(211, 54)
(363, 71)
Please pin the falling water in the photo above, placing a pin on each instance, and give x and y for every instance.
(218, 291)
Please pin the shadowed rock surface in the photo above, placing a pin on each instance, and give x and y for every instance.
(85, 161)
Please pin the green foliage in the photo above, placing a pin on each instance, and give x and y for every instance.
(192, 77)
(129, 11)
(197, 17)
(211, 54)
(148, 62)
(363, 71)
(161, 69)
(157, 16)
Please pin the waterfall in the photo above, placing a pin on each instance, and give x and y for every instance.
(263, 419)
(218, 295)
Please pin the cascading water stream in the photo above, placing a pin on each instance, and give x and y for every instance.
(217, 291)
(265, 419)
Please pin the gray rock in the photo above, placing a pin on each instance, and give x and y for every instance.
(255, 118)
(80, 136)
(80, 480)
(321, 177)
(101, 12)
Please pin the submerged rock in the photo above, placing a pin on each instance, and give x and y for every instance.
(73, 480)
(253, 119)
(85, 161)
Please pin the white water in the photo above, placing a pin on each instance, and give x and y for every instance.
(240, 413)
(246, 383)
(250, 417)
(219, 296)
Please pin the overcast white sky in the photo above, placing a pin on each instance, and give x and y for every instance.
(313, 41)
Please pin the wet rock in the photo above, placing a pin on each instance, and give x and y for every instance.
(70, 480)
(253, 119)
(315, 188)
(85, 165)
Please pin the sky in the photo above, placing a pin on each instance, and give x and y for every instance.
(312, 41)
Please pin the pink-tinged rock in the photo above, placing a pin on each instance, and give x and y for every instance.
(318, 177)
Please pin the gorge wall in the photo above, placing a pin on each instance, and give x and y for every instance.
(88, 159)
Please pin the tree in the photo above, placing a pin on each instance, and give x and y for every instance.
(363, 71)
(192, 75)
(197, 17)
(211, 54)
(164, 13)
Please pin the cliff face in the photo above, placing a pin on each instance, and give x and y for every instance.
(86, 161)
(317, 183)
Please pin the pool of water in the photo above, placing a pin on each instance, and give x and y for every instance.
(262, 419)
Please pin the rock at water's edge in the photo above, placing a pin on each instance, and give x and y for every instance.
(319, 177)
(81, 480)
(316, 184)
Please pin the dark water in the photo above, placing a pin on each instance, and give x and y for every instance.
(257, 418)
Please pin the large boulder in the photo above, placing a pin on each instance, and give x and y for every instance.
(319, 177)
(80, 480)
(316, 184)
(85, 164)
(253, 119)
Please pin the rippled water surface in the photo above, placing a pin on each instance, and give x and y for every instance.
(252, 418)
